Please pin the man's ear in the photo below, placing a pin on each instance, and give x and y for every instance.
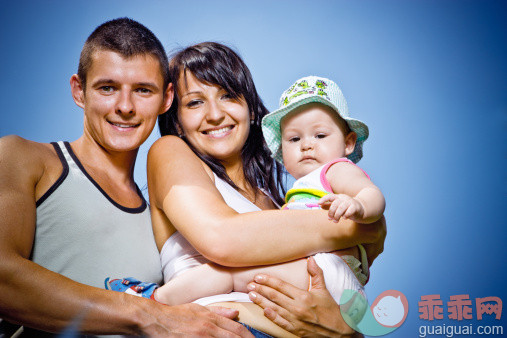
(77, 90)
(350, 143)
(168, 98)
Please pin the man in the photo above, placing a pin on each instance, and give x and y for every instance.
(72, 213)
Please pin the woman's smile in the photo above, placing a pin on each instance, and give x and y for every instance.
(219, 132)
(213, 121)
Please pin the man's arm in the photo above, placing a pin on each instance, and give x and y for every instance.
(36, 297)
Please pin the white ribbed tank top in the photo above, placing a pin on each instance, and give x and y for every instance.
(83, 234)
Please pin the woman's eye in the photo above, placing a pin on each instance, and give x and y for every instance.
(227, 96)
(193, 103)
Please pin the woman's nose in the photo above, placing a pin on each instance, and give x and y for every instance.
(214, 112)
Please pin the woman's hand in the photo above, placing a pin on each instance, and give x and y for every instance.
(304, 313)
(373, 250)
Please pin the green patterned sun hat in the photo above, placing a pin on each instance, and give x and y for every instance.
(307, 90)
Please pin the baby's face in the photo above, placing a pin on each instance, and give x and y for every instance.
(311, 137)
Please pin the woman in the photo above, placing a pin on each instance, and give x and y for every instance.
(222, 171)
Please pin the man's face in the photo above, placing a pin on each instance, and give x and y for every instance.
(122, 99)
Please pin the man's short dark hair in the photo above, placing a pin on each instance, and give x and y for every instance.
(126, 37)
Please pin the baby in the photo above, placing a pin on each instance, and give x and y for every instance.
(312, 134)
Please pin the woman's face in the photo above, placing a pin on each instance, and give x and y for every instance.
(211, 120)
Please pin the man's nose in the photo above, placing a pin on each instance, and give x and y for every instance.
(125, 104)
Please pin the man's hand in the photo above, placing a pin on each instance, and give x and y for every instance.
(193, 320)
(304, 313)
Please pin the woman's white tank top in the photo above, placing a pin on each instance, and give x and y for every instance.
(178, 255)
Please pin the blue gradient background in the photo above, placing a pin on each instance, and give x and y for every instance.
(428, 77)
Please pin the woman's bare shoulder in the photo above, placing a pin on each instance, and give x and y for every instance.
(168, 148)
(168, 143)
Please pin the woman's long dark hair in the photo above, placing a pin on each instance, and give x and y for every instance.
(217, 64)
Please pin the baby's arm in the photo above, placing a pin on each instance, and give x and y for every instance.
(355, 197)
(213, 279)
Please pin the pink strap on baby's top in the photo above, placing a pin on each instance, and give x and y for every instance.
(323, 178)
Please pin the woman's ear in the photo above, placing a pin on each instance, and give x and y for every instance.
(350, 143)
(77, 90)
(178, 129)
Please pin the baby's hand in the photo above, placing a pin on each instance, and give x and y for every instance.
(341, 205)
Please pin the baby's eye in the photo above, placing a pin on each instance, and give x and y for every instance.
(321, 136)
(294, 139)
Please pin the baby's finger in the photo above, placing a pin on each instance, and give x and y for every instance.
(332, 209)
(325, 205)
(327, 199)
(351, 211)
(340, 211)
(336, 214)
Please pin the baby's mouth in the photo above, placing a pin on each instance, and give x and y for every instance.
(307, 158)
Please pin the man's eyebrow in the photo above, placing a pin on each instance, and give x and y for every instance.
(111, 81)
(103, 81)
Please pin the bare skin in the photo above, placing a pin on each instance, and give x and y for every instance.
(304, 312)
(183, 193)
(134, 92)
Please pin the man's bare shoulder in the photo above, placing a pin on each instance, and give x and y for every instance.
(20, 147)
(31, 157)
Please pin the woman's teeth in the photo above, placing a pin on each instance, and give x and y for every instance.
(218, 131)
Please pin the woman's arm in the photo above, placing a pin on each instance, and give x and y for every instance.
(183, 190)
